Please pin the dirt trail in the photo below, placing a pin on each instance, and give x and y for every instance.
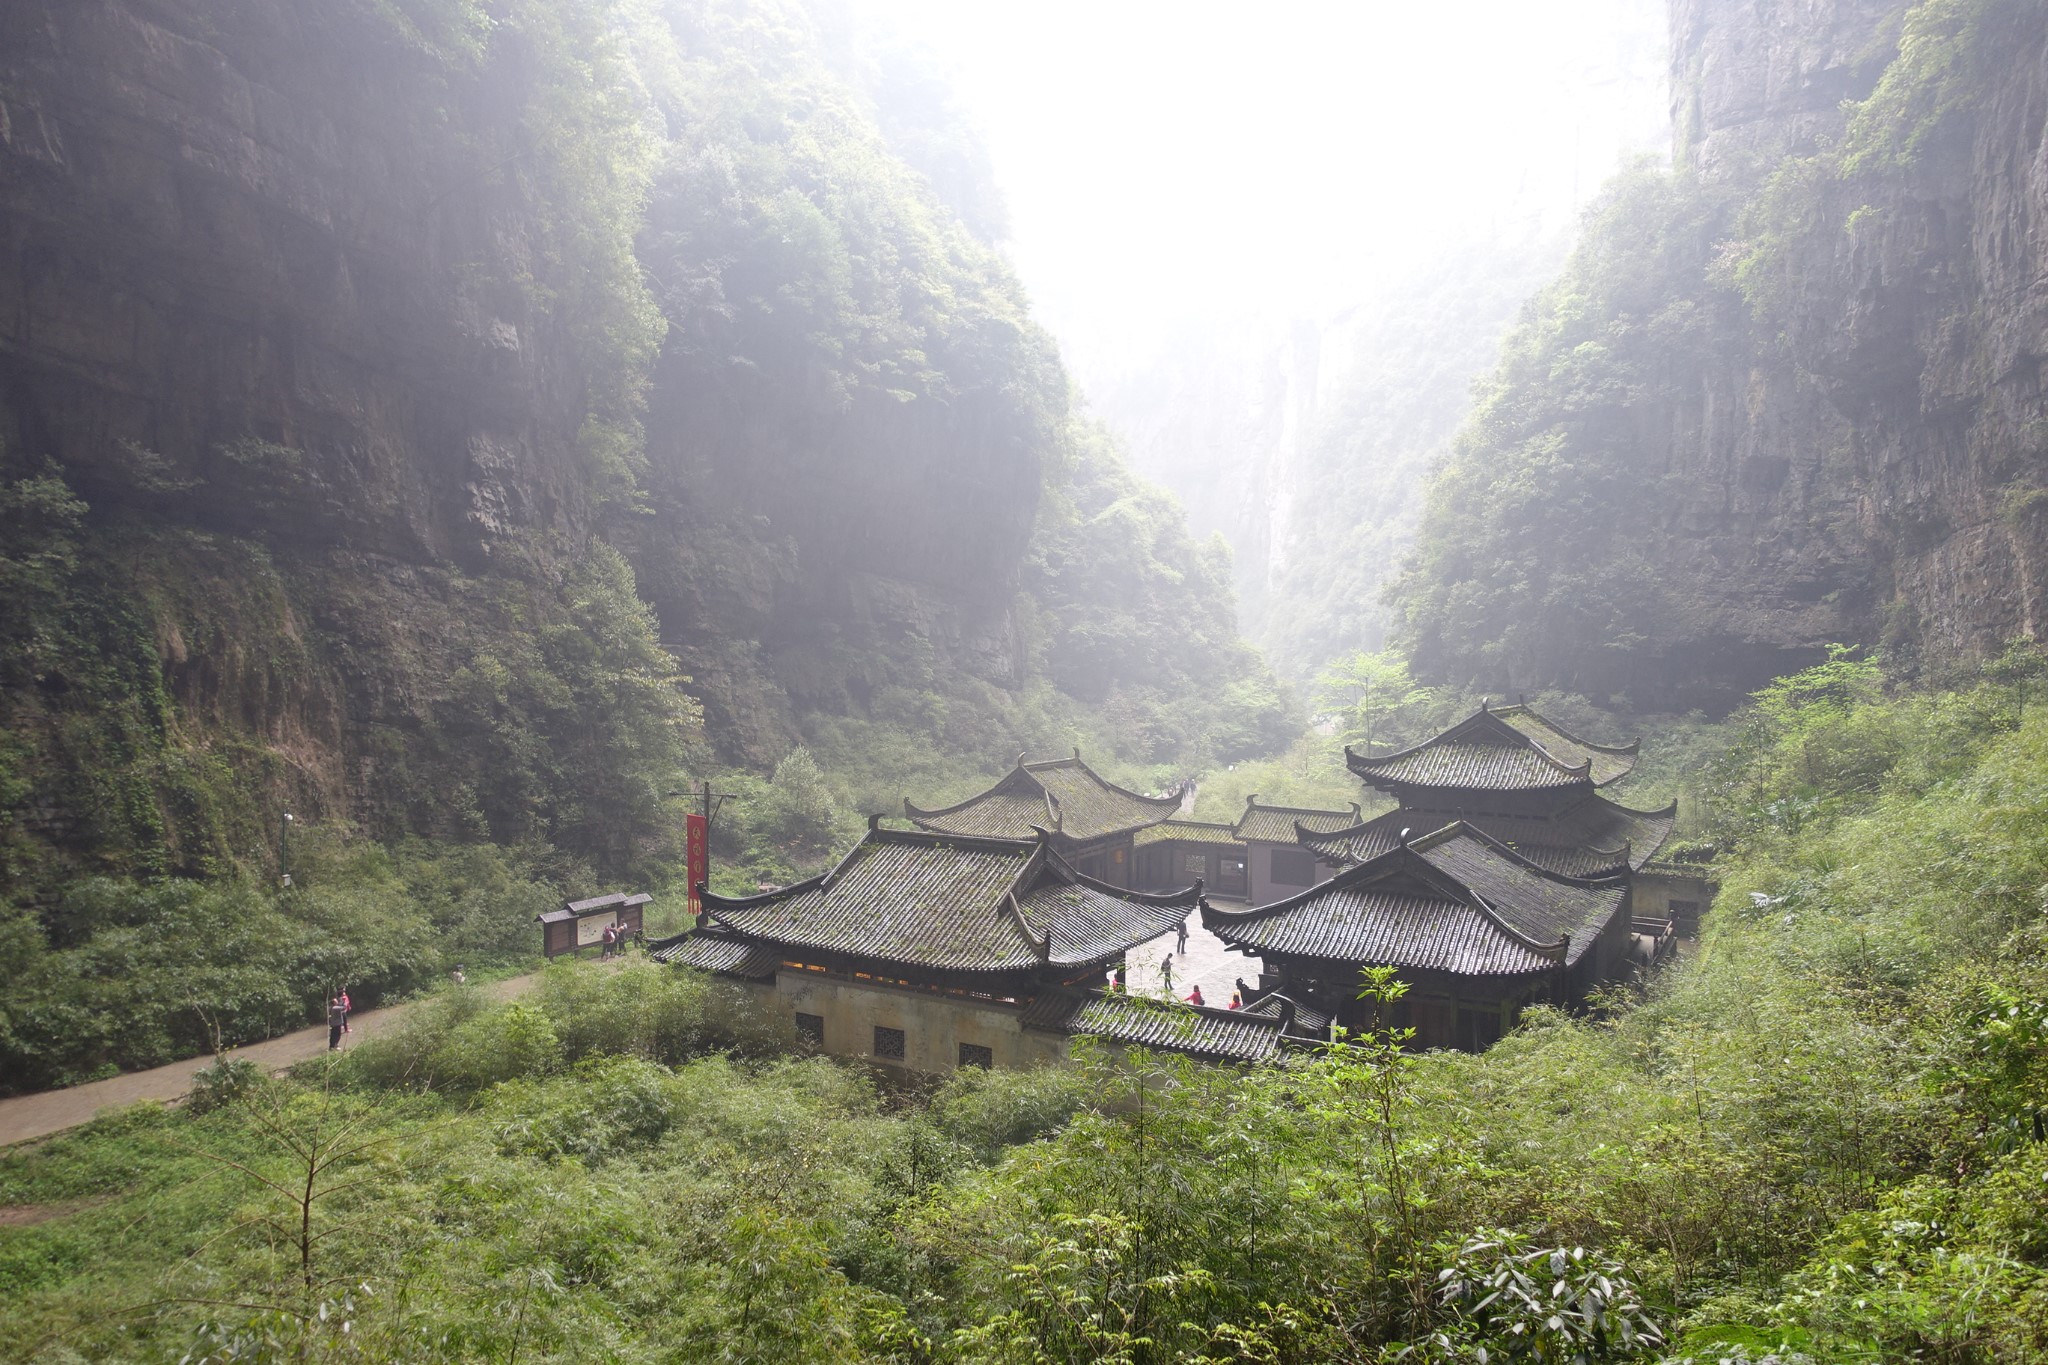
(32, 1116)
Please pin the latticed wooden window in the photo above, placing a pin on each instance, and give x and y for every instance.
(974, 1054)
(811, 1028)
(889, 1043)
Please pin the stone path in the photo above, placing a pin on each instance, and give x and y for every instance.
(25, 1117)
(1206, 962)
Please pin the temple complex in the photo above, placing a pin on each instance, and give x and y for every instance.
(930, 951)
(986, 936)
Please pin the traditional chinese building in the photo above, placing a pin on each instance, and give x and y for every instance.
(1476, 930)
(1277, 863)
(927, 951)
(1093, 822)
(1260, 858)
(1529, 860)
(1535, 787)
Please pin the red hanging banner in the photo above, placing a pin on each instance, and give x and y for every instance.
(697, 840)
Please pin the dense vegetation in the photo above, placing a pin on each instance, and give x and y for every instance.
(1822, 1134)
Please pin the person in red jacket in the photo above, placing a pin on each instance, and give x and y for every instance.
(1195, 996)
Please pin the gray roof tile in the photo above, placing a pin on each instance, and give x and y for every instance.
(1213, 1034)
(1508, 749)
(1063, 794)
(936, 901)
(1276, 824)
(1451, 901)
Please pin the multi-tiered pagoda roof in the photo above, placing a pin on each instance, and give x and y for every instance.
(1529, 783)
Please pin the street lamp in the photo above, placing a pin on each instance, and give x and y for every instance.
(284, 849)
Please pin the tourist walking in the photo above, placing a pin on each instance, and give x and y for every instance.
(1181, 945)
(1166, 972)
(347, 1007)
(337, 1020)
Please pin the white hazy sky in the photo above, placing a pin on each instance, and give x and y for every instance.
(1166, 160)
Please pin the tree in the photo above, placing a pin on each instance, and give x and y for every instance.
(1370, 693)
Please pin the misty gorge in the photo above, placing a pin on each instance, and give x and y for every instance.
(888, 680)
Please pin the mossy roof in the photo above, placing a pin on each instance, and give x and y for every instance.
(1452, 901)
(1281, 824)
(1508, 748)
(914, 899)
(1063, 795)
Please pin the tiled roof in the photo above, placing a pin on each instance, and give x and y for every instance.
(1217, 1035)
(1362, 843)
(1509, 749)
(1275, 824)
(933, 901)
(1586, 840)
(1186, 832)
(708, 950)
(1539, 905)
(1308, 1021)
(1065, 795)
(1451, 901)
(1611, 762)
(1401, 927)
(1539, 841)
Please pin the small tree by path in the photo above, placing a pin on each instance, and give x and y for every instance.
(320, 1144)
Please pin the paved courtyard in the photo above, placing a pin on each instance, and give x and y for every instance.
(1206, 962)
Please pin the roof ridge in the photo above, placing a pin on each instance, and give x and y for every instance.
(913, 812)
(1449, 735)
(1633, 747)
(1251, 803)
(1509, 852)
(1375, 868)
(711, 898)
(1174, 797)
(1041, 944)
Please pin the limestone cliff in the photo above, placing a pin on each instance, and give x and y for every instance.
(1787, 396)
(467, 419)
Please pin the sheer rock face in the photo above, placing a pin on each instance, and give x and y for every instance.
(1768, 77)
(256, 226)
(253, 288)
(1857, 459)
(271, 275)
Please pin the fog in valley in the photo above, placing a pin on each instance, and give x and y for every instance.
(1255, 232)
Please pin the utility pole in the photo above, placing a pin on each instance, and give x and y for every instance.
(284, 850)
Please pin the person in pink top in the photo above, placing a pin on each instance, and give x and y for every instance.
(1195, 997)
